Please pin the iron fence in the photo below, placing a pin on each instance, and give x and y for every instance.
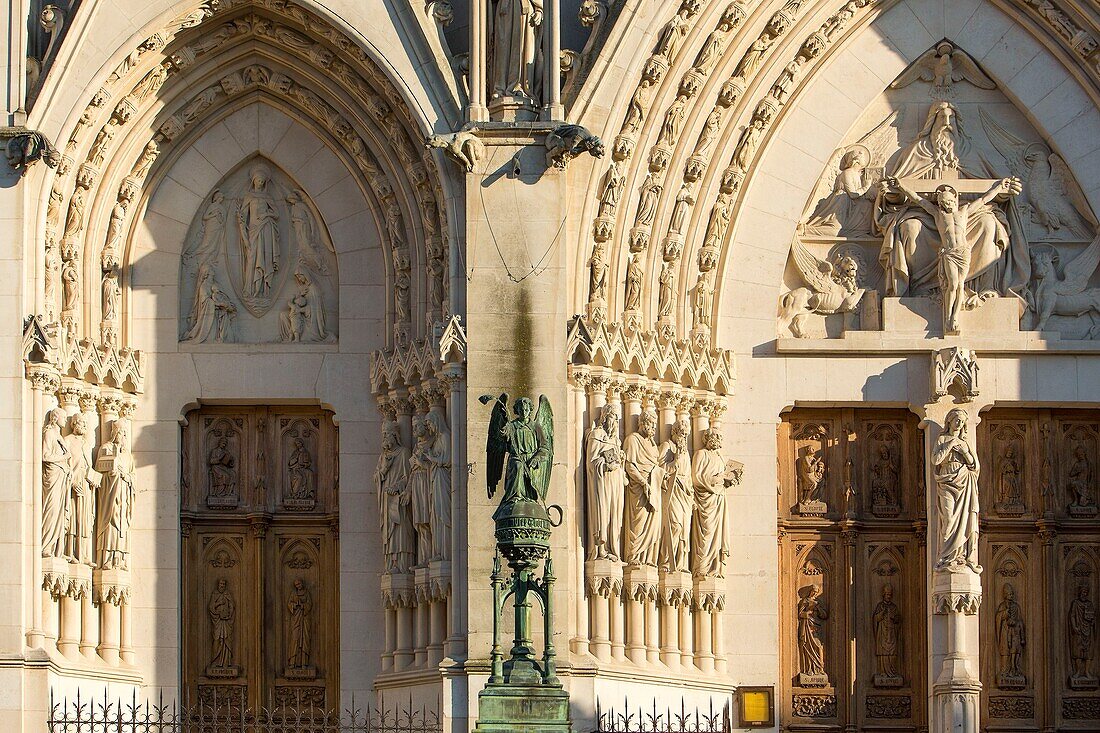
(103, 715)
(668, 719)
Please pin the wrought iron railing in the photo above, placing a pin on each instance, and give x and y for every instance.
(663, 719)
(103, 715)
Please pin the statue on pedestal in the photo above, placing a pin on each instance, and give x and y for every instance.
(956, 475)
(515, 32)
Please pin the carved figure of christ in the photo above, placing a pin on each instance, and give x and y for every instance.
(952, 217)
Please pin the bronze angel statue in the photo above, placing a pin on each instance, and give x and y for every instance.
(521, 450)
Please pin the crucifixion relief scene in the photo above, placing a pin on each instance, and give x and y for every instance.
(550, 366)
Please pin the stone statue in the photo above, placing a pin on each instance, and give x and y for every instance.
(634, 275)
(712, 476)
(515, 33)
(666, 287)
(110, 295)
(700, 306)
(848, 208)
(1080, 483)
(685, 198)
(213, 313)
(70, 285)
(1082, 640)
(604, 458)
(212, 230)
(1010, 479)
(114, 226)
(886, 620)
(671, 35)
(1011, 640)
(56, 486)
(258, 220)
(463, 147)
(85, 479)
(944, 66)
(305, 233)
(301, 478)
(597, 274)
(566, 142)
(116, 498)
(812, 615)
(520, 450)
(299, 608)
(74, 218)
(391, 476)
(439, 458)
(676, 501)
(304, 319)
(420, 489)
(811, 476)
(222, 469)
(955, 468)
(952, 220)
(1052, 295)
(645, 477)
(222, 610)
(612, 190)
(649, 194)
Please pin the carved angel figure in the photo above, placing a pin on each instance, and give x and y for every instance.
(831, 288)
(1068, 294)
(1050, 191)
(848, 207)
(944, 66)
(305, 233)
(521, 450)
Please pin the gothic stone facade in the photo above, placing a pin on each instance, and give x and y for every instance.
(812, 287)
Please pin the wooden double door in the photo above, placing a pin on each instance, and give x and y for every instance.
(1040, 550)
(259, 558)
(852, 528)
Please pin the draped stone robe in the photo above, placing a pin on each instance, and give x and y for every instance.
(709, 530)
(676, 495)
(605, 494)
(643, 500)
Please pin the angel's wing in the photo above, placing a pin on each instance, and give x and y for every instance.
(965, 69)
(921, 70)
(1008, 145)
(815, 272)
(495, 447)
(544, 422)
(826, 184)
(1065, 182)
(1080, 269)
(881, 142)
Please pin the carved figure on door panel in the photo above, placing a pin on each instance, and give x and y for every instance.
(811, 476)
(606, 488)
(1011, 640)
(116, 498)
(884, 482)
(676, 500)
(886, 621)
(85, 479)
(812, 615)
(643, 493)
(1080, 483)
(299, 606)
(1082, 640)
(1010, 481)
(956, 475)
(222, 470)
(222, 609)
(391, 476)
(301, 489)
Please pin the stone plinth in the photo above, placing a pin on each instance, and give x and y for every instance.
(925, 316)
(523, 709)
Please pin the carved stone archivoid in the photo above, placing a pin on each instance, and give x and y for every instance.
(259, 265)
(259, 554)
(928, 155)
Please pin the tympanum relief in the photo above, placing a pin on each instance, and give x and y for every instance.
(945, 194)
(259, 266)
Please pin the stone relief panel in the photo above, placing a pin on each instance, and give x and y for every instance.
(258, 264)
(943, 144)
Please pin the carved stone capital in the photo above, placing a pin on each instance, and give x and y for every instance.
(956, 592)
(43, 379)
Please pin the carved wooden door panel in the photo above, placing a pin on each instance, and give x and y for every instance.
(852, 568)
(1040, 547)
(259, 565)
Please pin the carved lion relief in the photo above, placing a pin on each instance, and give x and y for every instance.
(258, 264)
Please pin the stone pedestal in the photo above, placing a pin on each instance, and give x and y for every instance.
(925, 316)
(523, 709)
